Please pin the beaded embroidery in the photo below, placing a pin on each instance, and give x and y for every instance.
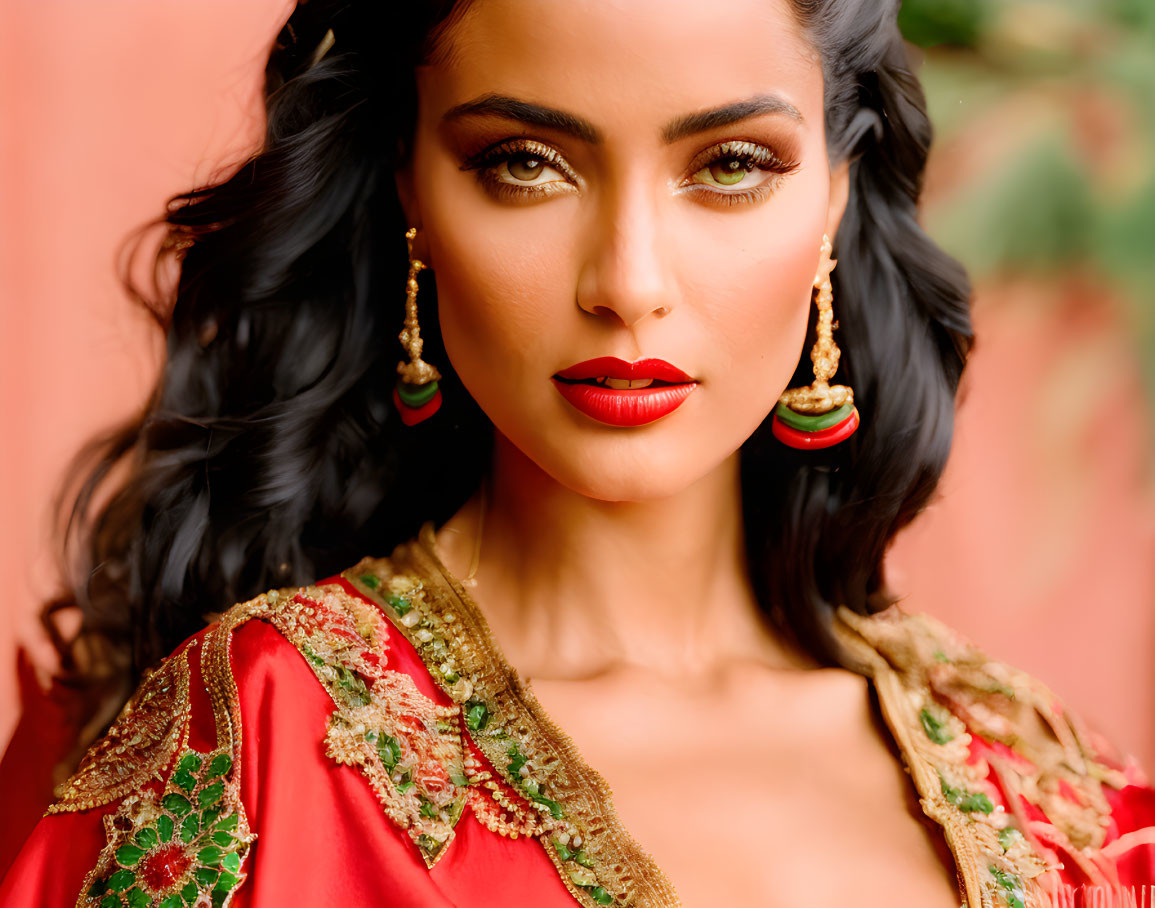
(408, 747)
(935, 688)
(184, 844)
(184, 848)
(138, 747)
(411, 750)
(571, 809)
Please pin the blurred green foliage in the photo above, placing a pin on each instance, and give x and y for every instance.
(1065, 91)
(932, 22)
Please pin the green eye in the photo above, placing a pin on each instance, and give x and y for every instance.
(728, 171)
(719, 174)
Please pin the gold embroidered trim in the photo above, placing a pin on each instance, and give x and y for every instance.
(408, 747)
(184, 844)
(138, 747)
(933, 686)
(184, 847)
(411, 750)
(217, 672)
(895, 711)
(596, 858)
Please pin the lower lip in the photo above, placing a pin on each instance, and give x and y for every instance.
(630, 407)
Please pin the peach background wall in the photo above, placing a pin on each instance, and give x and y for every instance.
(108, 108)
(1039, 547)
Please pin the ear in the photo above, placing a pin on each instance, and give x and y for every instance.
(839, 195)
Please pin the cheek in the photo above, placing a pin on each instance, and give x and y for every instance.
(507, 280)
(499, 293)
(752, 289)
(757, 317)
(487, 308)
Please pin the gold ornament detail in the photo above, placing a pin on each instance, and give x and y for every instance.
(937, 691)
(821, 397)
(547, 790)
(139, 746)
(416, 371)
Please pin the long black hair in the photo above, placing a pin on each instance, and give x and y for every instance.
(270, 454)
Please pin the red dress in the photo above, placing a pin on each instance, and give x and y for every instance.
(363, 742)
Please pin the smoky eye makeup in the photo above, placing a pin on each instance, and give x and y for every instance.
(522, 169)
(736, 172)
(727, 173)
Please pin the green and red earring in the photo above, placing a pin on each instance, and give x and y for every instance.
(416, 394)
(820, 414)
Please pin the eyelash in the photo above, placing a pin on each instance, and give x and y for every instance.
(751, 155)
(485, 161)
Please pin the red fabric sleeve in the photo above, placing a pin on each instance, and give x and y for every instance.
(49, 870)
(49, 726)
(322, 837)
(310, 815)
(1131, 841)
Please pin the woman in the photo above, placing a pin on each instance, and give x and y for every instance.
(621, 561)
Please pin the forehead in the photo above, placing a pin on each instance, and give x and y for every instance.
(627, 63)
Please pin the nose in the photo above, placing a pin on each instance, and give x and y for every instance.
(627, 275)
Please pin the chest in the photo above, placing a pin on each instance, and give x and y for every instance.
(762, 798)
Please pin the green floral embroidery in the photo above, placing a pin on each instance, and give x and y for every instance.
(529, 786)
(182, 849)
(427, 633)
(409, 747)
(476, 715)
(1008, 837)
(1011, 885)
(966, 801)
(934, 726)
(583, 878)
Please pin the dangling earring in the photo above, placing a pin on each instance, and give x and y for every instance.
(416, 394)
(818, 415)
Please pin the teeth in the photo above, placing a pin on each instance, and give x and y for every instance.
(625, 384)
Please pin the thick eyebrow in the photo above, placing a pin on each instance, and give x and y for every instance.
(692, 124)
(580, 128)
(526, 112)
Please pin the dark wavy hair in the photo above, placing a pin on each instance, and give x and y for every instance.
(270, 454)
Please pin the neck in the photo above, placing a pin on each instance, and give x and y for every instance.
(575, 587)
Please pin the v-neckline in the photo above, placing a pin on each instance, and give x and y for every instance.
(624, 869)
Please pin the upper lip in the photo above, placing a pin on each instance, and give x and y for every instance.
(612, 367)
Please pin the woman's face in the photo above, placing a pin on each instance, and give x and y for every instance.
(637, 180)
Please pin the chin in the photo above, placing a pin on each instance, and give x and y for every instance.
(625, 464)
(609, 463)
(635, 485)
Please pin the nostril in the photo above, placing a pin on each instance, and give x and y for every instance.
(607, 311)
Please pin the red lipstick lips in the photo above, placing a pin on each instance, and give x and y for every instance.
(588, 386)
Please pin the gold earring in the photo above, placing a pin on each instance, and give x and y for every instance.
(818, 415)
(416, 394)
